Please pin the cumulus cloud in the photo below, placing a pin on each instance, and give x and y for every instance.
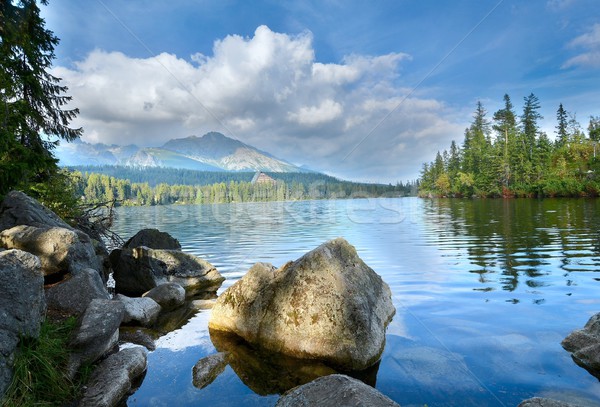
(590, 41)
(268, 91)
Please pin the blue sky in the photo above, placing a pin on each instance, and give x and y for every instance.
(362, 91)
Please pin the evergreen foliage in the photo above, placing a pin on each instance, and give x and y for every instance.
(516, 159)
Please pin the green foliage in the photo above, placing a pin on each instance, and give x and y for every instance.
(518, 162)
(40, 369)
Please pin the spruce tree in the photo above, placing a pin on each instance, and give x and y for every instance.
(561, 127)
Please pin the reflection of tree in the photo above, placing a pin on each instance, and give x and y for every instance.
(517, 238)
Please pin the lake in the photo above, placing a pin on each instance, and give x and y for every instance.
(485, 291)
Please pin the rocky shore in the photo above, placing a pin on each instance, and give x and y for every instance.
(327, 310)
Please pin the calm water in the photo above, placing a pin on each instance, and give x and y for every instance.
(485, 291)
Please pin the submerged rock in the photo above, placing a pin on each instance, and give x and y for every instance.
(154, 239)
(333, 391)
(141, 269)
(584, 345)
(327, 305)
(206, 370)
(169, 295)
(114, 378)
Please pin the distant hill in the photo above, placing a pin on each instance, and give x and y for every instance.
(211, 152)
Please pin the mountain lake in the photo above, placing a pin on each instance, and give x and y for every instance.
(484, 290)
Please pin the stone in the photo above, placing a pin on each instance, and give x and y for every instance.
(97, 333)
(60, 250)
(327, 305)
(141, 269)
(206, 370)
(544, 402)
(72, 296)
(138, 336)
(203, 304)
(333, 391)
(22, 306)
(168, 295)
(114, 378)
(18, 208)
(584, 345)
(139, 311)
(153, 239)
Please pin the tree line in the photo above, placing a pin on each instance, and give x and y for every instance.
(509, 156)
(96, 188)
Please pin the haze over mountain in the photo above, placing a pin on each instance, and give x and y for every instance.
(211, 152)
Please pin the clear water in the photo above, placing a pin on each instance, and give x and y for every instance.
(485, 291)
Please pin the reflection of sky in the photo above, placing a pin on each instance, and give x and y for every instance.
(451, 268)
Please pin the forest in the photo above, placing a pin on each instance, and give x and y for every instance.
(174, 186)
(508, 156)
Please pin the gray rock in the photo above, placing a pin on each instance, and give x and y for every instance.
(113, 379)
(327, 305)
(168, 295)
(22, 305)
(19, 209)
(206, 370)
(333, 391)
(59, 249)
(154, 239)
(141, 311)
(72, 296)
(97, 333)
(584, 345)
(138, 336)
(544, 402)
(141, 269)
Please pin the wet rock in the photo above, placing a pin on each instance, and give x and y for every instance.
(60, 250)
(544, 402)
(169, 295)
(71, 297)
(97, 333)
(113, 379)
(154, 239)
(333, 391)
(22, 305)
(327, 305)
(142, 269)
(142, 311)
(206, 370)
(584, 345)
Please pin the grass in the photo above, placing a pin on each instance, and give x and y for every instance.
(39, 369)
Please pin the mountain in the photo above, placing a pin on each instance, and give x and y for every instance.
(211, 152)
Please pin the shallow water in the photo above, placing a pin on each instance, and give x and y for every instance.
(485, 291)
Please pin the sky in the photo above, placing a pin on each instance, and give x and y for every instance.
(366, 91)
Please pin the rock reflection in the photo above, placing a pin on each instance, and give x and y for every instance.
(271, 373)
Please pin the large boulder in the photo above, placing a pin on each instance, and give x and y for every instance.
(584, 345)
(72, 296)
(97, 333)
(154, 239)
(169, 295)
(113, 379)
(139, 311)
(22, 305)
(19, 209)
(333, 391)
(60, 250)
(141, 269)
(327, 305)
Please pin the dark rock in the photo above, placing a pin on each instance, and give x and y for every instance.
(206, 370)
(71, 297)
(584, 345)
(169, 295)
(59, 249)
(544, 402)
(138, 336)
(19, 209)
(154, 239)
(327, 305)
(142, 269)
(140, 311)
(113, 379)
(97, 333)
(22, 305)
(333, 391)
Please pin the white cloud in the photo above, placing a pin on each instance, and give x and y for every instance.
(559, 5)
(589, 41)
(268, 91)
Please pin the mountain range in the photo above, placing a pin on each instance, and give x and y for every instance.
(211, 152)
